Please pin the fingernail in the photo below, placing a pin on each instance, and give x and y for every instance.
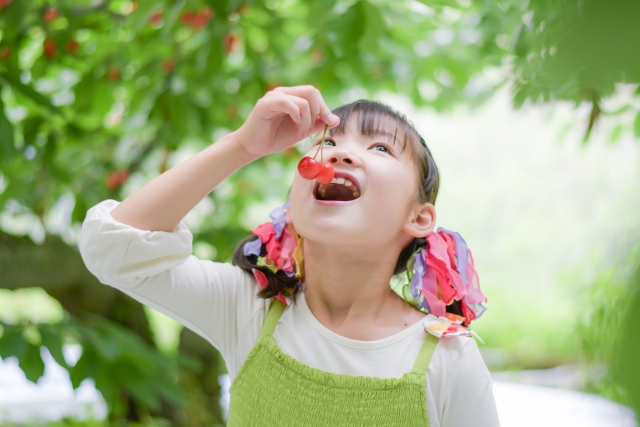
(333, 118)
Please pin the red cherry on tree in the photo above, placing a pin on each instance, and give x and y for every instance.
(72, 46)
(326, 173)
(230, 41)
(156, 17)
(197, 20)
(308, 168)
(117, 178)
(4, 3)
(50, 15)
(113, 74)
(168, 65)
(5, 53)
(50, 48)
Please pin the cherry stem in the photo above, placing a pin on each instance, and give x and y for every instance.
(321, 144)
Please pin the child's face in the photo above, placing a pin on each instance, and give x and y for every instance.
(387, 183)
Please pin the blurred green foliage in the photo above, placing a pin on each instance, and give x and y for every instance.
(626, 368)
(604, 328)
(96, 98)
(111, 355)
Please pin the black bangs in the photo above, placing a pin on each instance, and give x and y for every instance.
(374, 118)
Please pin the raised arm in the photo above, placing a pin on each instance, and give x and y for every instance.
(281, 118)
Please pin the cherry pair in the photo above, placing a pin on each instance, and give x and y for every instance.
(321, 171)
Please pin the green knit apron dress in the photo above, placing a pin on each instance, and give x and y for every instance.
(274, 389)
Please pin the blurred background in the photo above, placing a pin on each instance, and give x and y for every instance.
(531, 109)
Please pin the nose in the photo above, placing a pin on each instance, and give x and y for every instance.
(339, 156)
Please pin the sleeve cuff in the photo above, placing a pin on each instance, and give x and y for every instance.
(123, 256)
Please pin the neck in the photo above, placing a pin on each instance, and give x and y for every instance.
(347, 285)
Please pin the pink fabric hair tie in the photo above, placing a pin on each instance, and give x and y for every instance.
(280, 241)
(439, 274)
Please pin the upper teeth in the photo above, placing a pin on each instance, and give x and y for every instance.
(342, 181)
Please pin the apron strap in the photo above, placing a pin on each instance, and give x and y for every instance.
(426, 351)
(275, 311)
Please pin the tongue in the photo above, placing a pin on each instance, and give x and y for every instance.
(337, 192)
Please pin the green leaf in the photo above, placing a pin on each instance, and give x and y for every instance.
(54, 343)
(7, 145)
(12, 343)
(141, 16)
(31, 363)
(86, 367)
(143, 389)
(171, 17)
(106, 347)
(15, 13)
(30, 92)
(636, 125)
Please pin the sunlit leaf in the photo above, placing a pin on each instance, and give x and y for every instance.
(29, 92)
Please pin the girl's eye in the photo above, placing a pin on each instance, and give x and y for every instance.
(385, 149)
(330, 142)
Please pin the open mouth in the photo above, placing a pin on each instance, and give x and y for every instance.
(340, 189)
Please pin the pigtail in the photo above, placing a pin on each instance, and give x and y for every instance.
(417, 244)
(276, 282)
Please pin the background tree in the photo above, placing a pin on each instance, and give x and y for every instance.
(97, 98)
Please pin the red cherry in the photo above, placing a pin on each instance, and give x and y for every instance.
(308, 168)
(326, 173)
(197, 20)
(4, 3)
(117, 178)
(113, 74)
(50, 48)
(50, 15)
(156, 17)
(168, 65)
(72, 46)
(5, 53)
(230, 42)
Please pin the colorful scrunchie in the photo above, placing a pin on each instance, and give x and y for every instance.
(284, 250)
(439, 274)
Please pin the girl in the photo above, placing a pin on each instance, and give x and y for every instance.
(306, 319)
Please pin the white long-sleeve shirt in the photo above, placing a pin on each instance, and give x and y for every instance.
(219, 302)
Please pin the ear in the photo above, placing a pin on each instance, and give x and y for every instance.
(421, 220)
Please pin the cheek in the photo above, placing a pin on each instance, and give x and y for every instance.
(390, 200)
(299, 189)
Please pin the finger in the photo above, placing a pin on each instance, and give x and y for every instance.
(314, 96)
(281, 104)
(305, 113)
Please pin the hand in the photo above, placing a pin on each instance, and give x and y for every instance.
(283, 117)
